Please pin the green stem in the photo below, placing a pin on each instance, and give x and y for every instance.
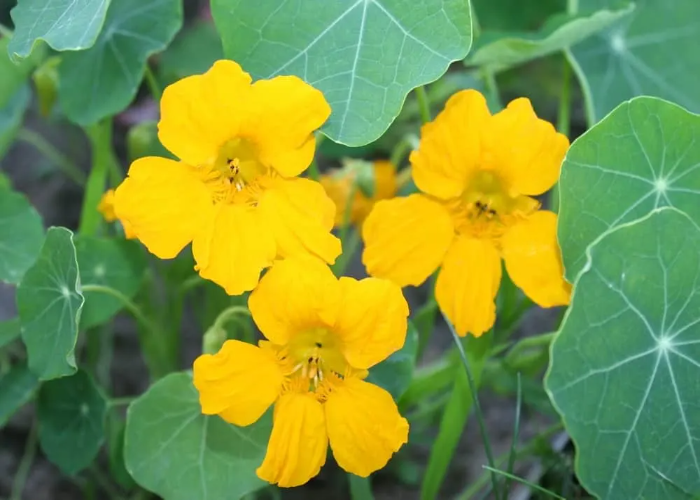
(529, 448)
(152, 82)
(492, 88)
(105, 484)
(229, 313)
(542, 340)
(477, 405)
(350, 247)
(360, 487)
(525, 482)
(516, 432)
(423, 104)
(101, 140)
(121, 401)
(402, 148)
(563, 118)
(126, 302)
(47, 149)
(25, 464)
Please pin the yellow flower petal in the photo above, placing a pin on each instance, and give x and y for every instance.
(364, 426)
(238, 383)
(294, 295)
(406, 239)
(201, 112)
(164, 204)
(300, 215)
(234, 248)
(533, 260)
(286, 112)
(450, 146)
(526, 150)
(371, 320)
(385, 185)
(106, 206)
(298, 443)
(468, 284)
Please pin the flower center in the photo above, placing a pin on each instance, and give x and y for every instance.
(315, 354)
(486, 208)
(236, 172)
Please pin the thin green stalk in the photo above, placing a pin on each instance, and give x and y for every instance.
(360, 487)
(492, 89)
(542, 340)
(101, 140)
(526, 450)
(402, 148)
(126, 401)
(48, 150)
(525, 482)
(126, 302)
(105, 484)
(564, 118)
(25, 464)
(477, 405)
(152, 82)
(350, 246)
(516, 432)
(423, 104)
(228, 313)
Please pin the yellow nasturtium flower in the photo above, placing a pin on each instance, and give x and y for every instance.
(234, 193)
(323, 335)
(339, 185)
(477, 173)
(106, 208)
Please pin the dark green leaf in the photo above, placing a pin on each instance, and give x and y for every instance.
(103, 80)
(395, 373)
(647, 53)
(13, 76)
(9, 331)
(364, 55)
(176, 452)
(71, 413)
(626, 364)
(515, 15)
(17, 386)
(21, 235)
(63, 24)
(193, 52)
(117, 264)
(115, 445)
(643, 155)
(11, 117)
(49, 304)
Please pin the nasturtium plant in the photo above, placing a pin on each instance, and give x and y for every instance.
(21, 235)
(626, 362)
(648, 53)
(365, 55)
(17, 387)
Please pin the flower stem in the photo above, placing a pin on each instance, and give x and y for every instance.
(47, 149)
(423, 104)
(229, 313)
(25, 464)
(477, 406)
(360, 487)
(563, 118)
(101, 140)
(152, 83)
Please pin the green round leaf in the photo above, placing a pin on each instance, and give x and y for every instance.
(21, 235)
(643, 155)
(649, 53)
(103, 80)
(365, 55)
(176, 452)
(63, 24)
(11, 117)
(395, 373)
(17, 386)
(117, 264)
(49, 304)
(625, 366)
(499, 51)
(13, 76)
(193, 52)
(71, 413)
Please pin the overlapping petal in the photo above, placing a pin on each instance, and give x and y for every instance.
(239, 383)
(450, 147)
(364, 426)
(526, 150)
(298, 444)
(533, 260)
(295, 295)
(163, 203)
(406, 239)
(468, 283)
(372, 320)
(285, 113)
(201, 112)
(300, 215)
(232, 250)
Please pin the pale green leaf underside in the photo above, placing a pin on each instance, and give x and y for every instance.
(502, 50)
(625, 366)
(103, 80)
(49, 306)
(651, 52)
(176, 452)
(365, 55)
(63, 24)
(21, 235)
(644, 155)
